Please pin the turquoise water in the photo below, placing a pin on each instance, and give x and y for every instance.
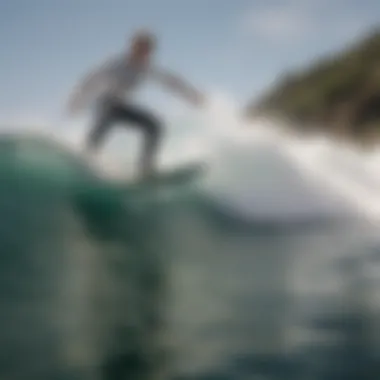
(97, 282)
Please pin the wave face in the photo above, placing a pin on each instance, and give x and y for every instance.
(79, 280)
(253, 271)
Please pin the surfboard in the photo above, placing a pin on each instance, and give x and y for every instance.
(179, 176)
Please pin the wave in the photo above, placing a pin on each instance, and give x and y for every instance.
(228, 218)
(86, 266)
(79, 278)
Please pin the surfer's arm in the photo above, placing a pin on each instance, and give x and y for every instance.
(81, 92)
(178, 86)
(87, 87)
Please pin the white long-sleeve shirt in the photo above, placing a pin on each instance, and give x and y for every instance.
(118, 78)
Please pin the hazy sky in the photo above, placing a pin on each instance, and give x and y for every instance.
(233, 46)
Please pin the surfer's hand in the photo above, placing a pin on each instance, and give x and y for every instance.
(73, 109)
(75, 103)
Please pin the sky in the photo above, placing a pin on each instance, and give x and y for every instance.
(235, 47)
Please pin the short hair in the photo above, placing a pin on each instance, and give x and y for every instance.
(144, 36)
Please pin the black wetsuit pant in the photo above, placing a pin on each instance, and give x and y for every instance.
(110, 112)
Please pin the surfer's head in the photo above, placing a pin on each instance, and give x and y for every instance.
(143, 45)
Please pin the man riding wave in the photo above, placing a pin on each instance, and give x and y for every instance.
(110, 88)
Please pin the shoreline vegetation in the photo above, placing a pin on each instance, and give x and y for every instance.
(339, 95)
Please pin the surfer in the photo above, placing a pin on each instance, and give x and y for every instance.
(109, 88)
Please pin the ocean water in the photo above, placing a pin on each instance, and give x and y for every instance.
(265, 268)
(275, 277)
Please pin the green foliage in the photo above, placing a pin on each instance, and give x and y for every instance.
(345, 78)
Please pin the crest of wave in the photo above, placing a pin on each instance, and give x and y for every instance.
(258, 168)
(263, 170)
